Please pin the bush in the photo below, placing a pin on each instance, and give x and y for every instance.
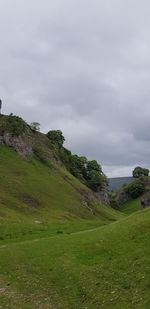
(89, 172)
(93, 166)
(12, 124)
(43, 156)
(40, 153)
(113, 202)
(35, 126)
(56, 137)
(139, 172)
(135, 189)
(96, 180)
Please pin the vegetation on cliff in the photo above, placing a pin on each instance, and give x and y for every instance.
(88, 172)
(140, 171)
(12, 124)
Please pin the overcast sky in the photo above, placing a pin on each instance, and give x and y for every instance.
(82, 66)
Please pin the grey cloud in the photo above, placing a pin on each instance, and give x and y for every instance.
(82, 67)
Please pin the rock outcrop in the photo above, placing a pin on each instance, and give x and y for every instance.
(22, 144)
(122, 197)
(101, 195)
(27, 141)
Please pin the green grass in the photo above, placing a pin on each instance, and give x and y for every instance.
(131, 206)
(31, 191)
(104, 268)
(72, 259)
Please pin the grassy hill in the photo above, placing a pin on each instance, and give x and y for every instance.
(35, 199)
(131, 206)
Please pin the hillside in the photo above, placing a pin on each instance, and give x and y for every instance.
(131, 206)
(48, 149)
(32, 192)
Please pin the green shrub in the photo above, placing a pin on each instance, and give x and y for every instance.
(56, 137)
(89, 172)
(35, 126)
(112, 198)
(139, 171)
(12, 124)
(135, 189)
(40, 153)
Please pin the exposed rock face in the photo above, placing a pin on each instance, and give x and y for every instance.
(86, 205)
(122, 197)
(22, 144)
(101, 196)
(145, 201)
(25, 142)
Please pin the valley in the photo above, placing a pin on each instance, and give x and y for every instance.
(60, 246)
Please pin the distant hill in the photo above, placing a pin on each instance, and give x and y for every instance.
(116, 183)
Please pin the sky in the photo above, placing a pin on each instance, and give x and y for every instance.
(83, 67)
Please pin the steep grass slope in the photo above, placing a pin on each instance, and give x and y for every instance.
(131, 206)
(105, 268)
(35, 198)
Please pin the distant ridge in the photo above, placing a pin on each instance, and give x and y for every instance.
(117, 182)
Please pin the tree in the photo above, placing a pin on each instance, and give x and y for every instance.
(135, 189)
(35, 126)
(13, 124)
(56, 137)
(93, 165)
(96, 180)
(78, 167)
(139, 171)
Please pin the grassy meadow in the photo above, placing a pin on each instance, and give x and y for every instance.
(108, 267)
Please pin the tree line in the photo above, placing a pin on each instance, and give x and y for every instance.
(89, 172)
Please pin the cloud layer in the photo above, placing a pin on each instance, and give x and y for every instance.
(83, 67)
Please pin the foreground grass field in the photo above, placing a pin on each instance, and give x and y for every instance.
(108, 267)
